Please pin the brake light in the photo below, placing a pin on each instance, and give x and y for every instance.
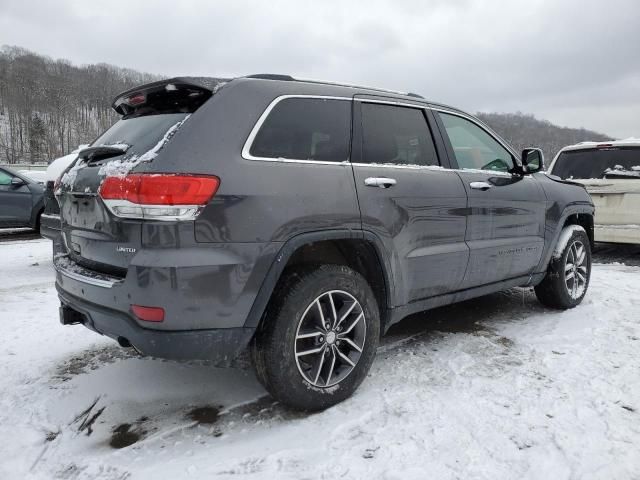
(137, 99)
(148, 314)
(158, 196)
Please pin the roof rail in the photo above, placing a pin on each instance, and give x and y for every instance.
(289, 78)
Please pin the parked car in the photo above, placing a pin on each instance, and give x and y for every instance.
(37, 176)
(611, 173)
(20, 200)
(50, 221)
(302, 219)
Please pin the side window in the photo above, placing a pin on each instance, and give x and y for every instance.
(397, 135)
(306, 129)
(5, 178)
(473, 147)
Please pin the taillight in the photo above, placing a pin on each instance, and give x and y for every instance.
(158, 196)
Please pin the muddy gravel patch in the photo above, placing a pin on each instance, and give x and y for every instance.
(91, 360)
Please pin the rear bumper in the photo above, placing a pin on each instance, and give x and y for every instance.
(219, 345)
(617, 233)
(206, 292)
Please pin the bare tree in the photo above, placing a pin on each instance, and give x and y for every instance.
(48, 107)
(522, 130)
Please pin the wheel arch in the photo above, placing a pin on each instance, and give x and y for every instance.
(572, 215)
(358, 250)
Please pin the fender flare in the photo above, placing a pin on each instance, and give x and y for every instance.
(291, 246)
(572, 209)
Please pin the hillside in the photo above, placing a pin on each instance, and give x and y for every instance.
(524, 130)
(48, 107)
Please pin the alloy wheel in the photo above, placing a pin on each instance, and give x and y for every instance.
(575, 270)
(330, 338)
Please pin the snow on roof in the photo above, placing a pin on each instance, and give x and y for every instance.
(627, 142)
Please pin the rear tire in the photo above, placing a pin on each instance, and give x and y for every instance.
(569, 272)
(318, 338)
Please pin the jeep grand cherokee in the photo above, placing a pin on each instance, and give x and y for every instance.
(302, 219)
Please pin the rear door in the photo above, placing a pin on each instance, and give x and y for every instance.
(15, 201)
(506, 212)
(409, 199)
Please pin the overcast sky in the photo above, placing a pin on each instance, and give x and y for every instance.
(573, 62)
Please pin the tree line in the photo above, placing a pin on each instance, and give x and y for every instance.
(523, 130)
(49, 107)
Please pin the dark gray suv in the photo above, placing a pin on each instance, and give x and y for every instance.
(302, 219)
(21, 201)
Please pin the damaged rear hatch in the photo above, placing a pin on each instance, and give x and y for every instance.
(102, 195)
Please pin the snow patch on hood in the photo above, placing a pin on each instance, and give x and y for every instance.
(60, 164)
(70, 176)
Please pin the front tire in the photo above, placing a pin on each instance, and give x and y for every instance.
(569, 272)
(318, 338)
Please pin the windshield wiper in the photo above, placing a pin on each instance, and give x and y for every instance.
(104, 151)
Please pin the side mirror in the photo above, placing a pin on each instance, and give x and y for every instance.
(532, 160)
(17, 182)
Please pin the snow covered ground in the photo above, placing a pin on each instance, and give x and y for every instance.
(493, 388)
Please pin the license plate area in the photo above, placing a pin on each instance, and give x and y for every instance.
(69, 316)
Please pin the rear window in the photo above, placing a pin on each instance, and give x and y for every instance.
(141, 134)
(598, 163)
(305, 129)
(152, 114)
(396, 135)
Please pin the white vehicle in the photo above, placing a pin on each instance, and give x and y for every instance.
(59, 165)
(611, 173)
(38, 176)
(50, 219)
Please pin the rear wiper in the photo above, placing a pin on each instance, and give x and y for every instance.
(104, 151)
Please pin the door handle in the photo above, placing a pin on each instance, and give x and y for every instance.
(480, 185)
(381, 182)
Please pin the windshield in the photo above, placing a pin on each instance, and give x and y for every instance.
(598, 163)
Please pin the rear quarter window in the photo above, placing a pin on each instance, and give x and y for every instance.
(305, 129)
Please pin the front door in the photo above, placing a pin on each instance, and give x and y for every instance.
(408, 200)
(15, 202)
(506, 212)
